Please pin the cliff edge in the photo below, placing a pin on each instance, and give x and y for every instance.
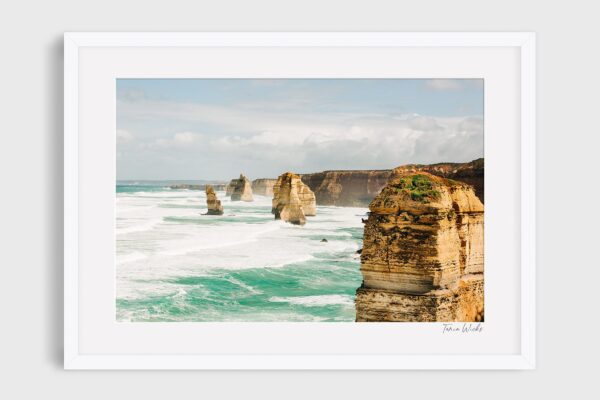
(471, 172)
(357, 188)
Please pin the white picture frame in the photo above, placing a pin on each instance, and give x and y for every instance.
(75, 43)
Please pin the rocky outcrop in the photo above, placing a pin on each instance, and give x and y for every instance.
(471, 173)
(422, 256)
(242, 189)
(230, 187)
(263, 187)
(358, 188)
(346, 188)
(292, 199)
(213, 204)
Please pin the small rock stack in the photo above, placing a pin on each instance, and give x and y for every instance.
(213, 204)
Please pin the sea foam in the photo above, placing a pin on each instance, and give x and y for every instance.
(175, 264)
(316, 301)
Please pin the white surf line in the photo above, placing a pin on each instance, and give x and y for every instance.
(253, 238)
(316, 300)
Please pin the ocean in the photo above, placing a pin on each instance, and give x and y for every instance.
(175, 264)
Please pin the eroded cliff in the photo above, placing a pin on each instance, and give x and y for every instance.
(263, 187)
(292, 199)
(422, 256)
(346, 188)
(358, 188)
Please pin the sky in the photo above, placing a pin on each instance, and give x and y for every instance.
(215, 129)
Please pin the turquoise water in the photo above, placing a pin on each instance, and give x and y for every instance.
(175, 264)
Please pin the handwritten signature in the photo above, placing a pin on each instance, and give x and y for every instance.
(464, 328)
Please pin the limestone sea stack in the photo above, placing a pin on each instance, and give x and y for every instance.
(422, 256)
(292, 199)
(230, 186)
(263, 187)
(213, 204)
(242, 190)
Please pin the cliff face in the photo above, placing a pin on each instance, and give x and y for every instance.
(422, 258)
(263, 187)
(346, 188)
(292, 199)
(358, 188)
(213, 204)
(242, 189)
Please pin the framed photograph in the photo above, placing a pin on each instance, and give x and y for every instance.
(292, 200)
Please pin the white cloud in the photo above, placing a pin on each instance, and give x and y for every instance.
(180, 139)
(444, 84)
(185, 137)
(124, 136)
(361, 142)
(266, 142)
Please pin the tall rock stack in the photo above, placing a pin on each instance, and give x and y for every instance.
(422, 257)
(242, 190)
(263, 187)
(213, 204)
(292, 199)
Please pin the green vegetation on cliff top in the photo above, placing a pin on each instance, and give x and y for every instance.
(419, 187)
